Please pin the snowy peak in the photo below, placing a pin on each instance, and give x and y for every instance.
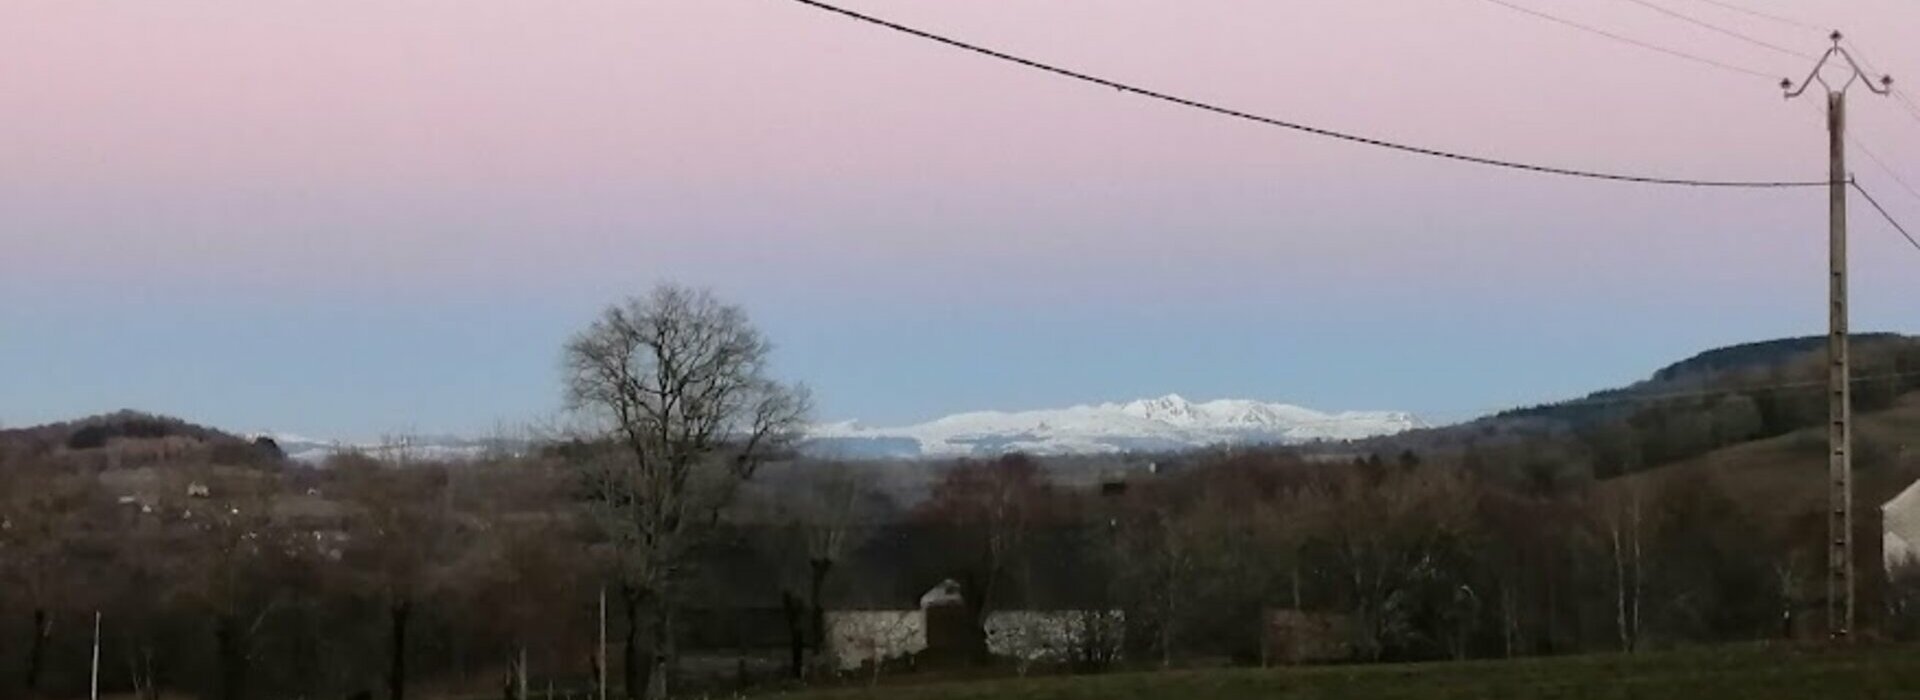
(1166, 424)
(1171, 408)
(1170, 422)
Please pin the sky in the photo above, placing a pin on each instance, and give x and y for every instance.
(352, 219)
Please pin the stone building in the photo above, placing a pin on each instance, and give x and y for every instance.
(942, 631)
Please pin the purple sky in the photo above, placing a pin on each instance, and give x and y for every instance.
(355, 217)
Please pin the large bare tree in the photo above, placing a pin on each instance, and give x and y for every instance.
(678, 381)
(821, 513)
(990, 511)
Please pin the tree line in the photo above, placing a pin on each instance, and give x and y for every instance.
(679, 519)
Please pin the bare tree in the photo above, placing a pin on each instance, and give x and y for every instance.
(39, 511)
(823, 512)
(402, 539)
(1394, 540)
(1171, 540)
(679, 381)
(1620, 515)
(232, 563)
(991, 508)
(832, 523)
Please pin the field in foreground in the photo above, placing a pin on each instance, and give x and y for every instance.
(1727, 672)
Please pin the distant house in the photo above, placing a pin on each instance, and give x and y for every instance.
(1900, 529)
(943, 630)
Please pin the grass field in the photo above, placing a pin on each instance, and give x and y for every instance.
(1733, 673)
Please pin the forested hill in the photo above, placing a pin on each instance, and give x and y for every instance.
(133, 434)
(1765, 368)
(1766, 354)
(1718, 398)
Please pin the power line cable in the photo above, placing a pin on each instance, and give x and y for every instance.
(1911, 111)
(1883, 214)
(1911, 108)
(1317, 131)
(1898, 93)
(1722, 30)
(1763, 15)
(1906, 102)
(1874, 157)
(1702, 60)
(1908, 105)
(1888, 169)
(1862, 55)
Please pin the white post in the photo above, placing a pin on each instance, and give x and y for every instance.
(523, 672)
(603, 643)
(94, 692)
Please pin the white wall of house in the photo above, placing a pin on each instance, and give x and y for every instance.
(1897, 552)
(855, 637)
(1053, 636)
(1900, 529)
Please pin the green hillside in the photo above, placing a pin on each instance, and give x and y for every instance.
(1732, 673)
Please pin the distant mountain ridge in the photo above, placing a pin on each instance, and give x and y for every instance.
(127, 437)
(1725, 370)
(1765, 354)
(1775, 385)
(401, 449)
(1712, 400)
(1167, 423)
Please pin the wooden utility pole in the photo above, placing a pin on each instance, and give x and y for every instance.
(1840, 564)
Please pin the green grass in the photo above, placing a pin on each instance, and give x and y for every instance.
(1733, 673)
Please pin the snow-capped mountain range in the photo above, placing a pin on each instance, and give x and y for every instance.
(1167, 423)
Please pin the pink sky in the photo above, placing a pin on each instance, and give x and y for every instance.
(152, 133)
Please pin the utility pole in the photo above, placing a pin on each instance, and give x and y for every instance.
(1840, 564)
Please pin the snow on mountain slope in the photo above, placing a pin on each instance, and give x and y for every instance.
(1166, 423)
